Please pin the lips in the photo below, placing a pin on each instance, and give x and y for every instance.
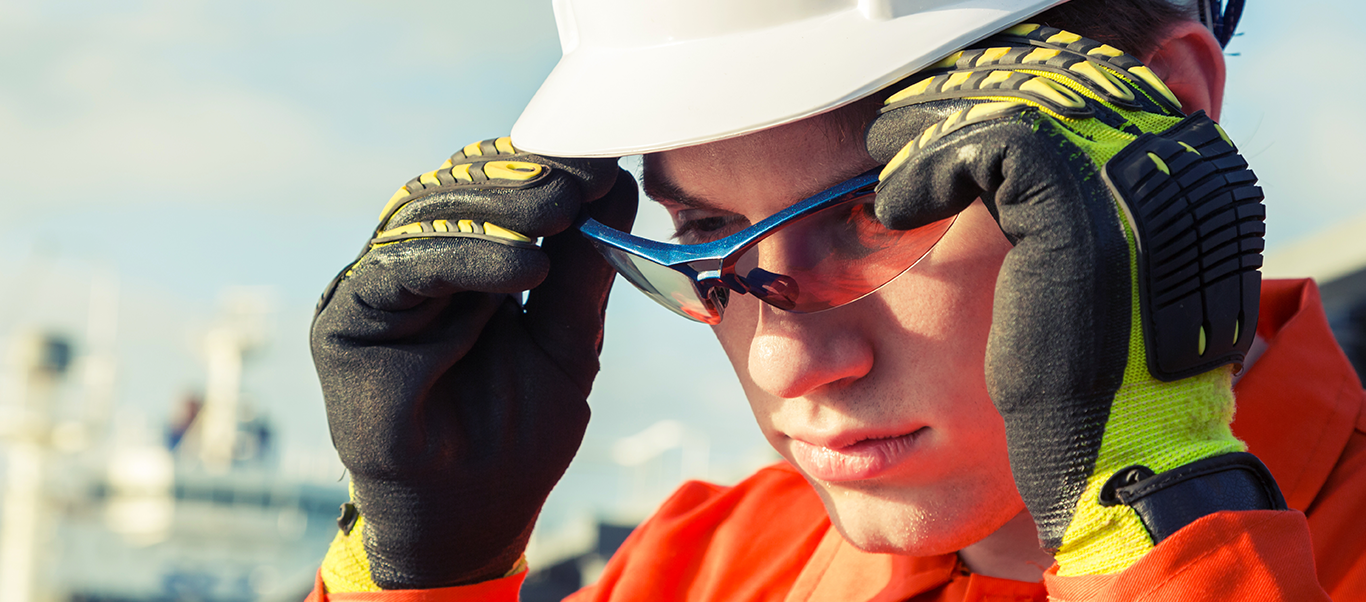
(864, 459)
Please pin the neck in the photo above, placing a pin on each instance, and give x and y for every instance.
(1012, 552)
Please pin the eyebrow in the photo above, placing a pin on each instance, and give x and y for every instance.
(662, 189)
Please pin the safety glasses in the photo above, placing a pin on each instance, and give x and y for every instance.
(822, 252)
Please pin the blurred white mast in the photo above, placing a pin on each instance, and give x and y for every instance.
(39, 361)
(213, 436)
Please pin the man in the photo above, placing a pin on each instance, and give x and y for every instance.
(1049, 384)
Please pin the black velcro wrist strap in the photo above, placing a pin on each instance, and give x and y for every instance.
(1169, 501)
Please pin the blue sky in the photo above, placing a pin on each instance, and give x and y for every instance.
(185, 146)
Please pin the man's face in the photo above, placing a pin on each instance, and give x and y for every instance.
(881, 403)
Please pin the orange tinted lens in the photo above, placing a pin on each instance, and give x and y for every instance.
(833, 257)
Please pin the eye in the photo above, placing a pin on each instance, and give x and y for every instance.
(860, 233)
(697, 226)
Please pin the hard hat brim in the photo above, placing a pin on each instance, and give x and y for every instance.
(613, 101)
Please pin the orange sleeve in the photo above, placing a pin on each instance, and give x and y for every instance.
(744, 542)
(1262, 555)
(498, 590)
(1337, 518)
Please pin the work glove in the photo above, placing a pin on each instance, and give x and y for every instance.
(454, 406)
(1129, 295)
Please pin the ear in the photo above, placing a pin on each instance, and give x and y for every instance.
(1191, 62)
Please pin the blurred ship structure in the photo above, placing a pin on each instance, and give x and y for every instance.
(1336, 259)
(137, 468)
(100, 507)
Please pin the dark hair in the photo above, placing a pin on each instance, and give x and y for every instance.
(1134, 26)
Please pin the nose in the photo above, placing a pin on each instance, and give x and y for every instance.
(793, 355)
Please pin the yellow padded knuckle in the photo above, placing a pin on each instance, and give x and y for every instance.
(429, 179)
(1102, 79)
(953, 119)
(988, 110)
(462, 172)
(500, 232)
(441, 225)
(1041, 55)
(394, 201)
(1064, 37)
(996, 77)
(927, 135)
(915, 89)
(414, 228)
(1151, 79)
(1106, 50)
(519, 171)
(473, 150)
(897, 161)
(949, 61)
(1022, 29)
(992, 55)
(465, 225)
(1055, 93)
(1043, 108)
(504, 146)
(957, 80)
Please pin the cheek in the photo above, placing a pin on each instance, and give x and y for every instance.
(940, 311)
(736, 335)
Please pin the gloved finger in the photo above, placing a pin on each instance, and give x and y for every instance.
(897, 126)
(375, 390)
(490, 181)
(545, 205)
(594, 176)
(1069, 266)
(935, 169)
(1071, 258)
(565, 313)
(410, 275)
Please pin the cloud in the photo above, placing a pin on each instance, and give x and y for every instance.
(283, 107)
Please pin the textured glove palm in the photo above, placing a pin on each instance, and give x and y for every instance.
(1137, 235)
(454, 407)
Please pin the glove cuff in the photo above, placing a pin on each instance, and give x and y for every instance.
(1171, 500)
(346, 568)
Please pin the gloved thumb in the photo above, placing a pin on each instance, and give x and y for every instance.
(565, 313)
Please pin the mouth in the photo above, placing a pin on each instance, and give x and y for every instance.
(860, 460)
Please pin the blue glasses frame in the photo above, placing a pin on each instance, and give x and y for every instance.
(707, 261)
(709, 269)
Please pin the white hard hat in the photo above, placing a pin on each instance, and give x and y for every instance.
(640, 76)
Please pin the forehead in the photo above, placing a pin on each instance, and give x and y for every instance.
(783, 163)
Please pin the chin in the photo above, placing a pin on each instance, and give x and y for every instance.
(918, 522)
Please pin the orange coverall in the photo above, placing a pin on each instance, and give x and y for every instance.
(768, 537)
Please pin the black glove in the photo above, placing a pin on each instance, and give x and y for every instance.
(454, 406)
(1132, 285)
